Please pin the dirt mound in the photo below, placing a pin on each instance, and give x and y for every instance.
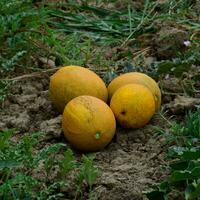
(130, 165)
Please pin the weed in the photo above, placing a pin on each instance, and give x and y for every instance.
(107, 27)
(67, 163)
(19, 22)
(21, 161)
(25, 34)
(184, 158)
(88, 172)
(181, 64)
(69, 49)
(70, 34)
(4, 89)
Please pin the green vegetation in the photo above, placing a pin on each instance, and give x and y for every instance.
(181, 64)
(25, 37)
(4, 89)
(183, 156)
(31, 171)
(69, 32)
(20, 24)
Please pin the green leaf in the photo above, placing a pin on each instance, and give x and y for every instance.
(68, 162)
(156, 195)
(184, 175)
(4, 138)
(196, 192)
(88, 172)
(165, 67)
(9, 164)
(190, 189)
(192, 192)
(184, 153)
(191, 154)
(179, 165)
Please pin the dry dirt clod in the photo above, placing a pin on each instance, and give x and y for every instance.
(168, 41)
(171, 85)
(20, 121)
(52, 127)
(182, 104)
(48, 62)
(137, 4)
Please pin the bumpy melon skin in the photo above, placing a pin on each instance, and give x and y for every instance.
(88, 123)
(72, 81)
(137, 78)
(133, 105)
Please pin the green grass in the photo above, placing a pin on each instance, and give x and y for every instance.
(25, 36)
(184, 161)
(20, 21)
(116, 28)
(70, 35)
(29, 171)
(105, 27)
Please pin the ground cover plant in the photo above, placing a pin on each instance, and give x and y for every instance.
(157, 37)
(20, 171)
(183, 154)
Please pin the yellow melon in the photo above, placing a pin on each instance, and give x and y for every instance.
(137, 78)
(88, 123)
(133, 105)
(72, 81)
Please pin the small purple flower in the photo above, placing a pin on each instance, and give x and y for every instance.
(187, 43)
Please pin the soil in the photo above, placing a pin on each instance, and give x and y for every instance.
(131, 164)
(168, 41)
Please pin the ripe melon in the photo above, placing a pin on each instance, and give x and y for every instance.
(88, 123)
(72, 81)
(137, 78)
(133, 105)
